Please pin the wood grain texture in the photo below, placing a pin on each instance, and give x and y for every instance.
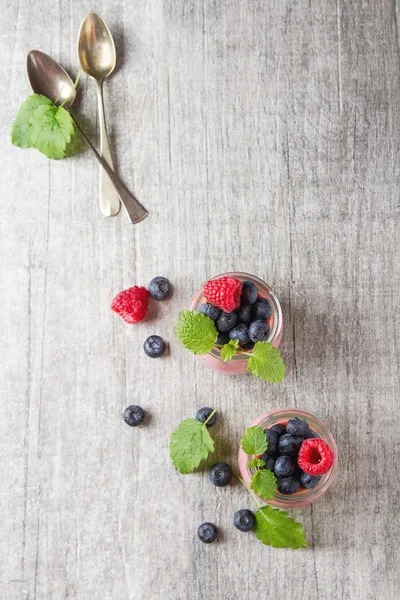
(261, 136)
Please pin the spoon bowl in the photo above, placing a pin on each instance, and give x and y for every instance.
(49, 78)
(96, 48)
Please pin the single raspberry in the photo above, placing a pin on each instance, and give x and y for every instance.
(224, 293)
(315, 457)
(131, 304)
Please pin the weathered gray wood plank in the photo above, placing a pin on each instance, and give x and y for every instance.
(261, 136)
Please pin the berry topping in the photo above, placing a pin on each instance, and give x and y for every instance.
(269, 462)
(284, 466)
(244, 520)
(159, 288)
(240, 332)
(312, 434)
(259, 331)
(272, 439)
(289, 444)
(223, 338)
(131, 304)
(288, 485)
(203, 414)
(249, 346)
(210, 311)
(245, 313)
(154, 346)
(309, 481)
(224, 293)
(279, 428)
(207, 533)
(134, 415)
(220, 474)
(315, 457)
(226, 321)
(262, 309)
(249, 293)
(298, 427)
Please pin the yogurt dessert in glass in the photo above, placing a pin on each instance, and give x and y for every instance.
(318, 431)
(238, 363)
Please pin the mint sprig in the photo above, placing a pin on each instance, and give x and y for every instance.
(263, 483)
(229, 350)
(266, 362)
(190, 444)
(257, 463)
(196, 332)
(254, 441)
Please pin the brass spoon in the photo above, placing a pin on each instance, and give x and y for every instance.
(49, 79)
(96, 51)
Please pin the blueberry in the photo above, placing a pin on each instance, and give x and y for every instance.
(259, 331)
(154, 346)
(298, 427)
(249, 293)
(159, 288)
(288, 485)
(312, 434)
(262, 309)
(207, 533)
(309, 481)
(223, 338)
(279, 428)
(220, 474)
(269, 462)
(134, 415)
(203, 414)
(284, 466)
(272, 439)
(226, 321)
(240, 332)
(244, 520)
(289, 444)
(249, 346)
(245, 313)
(210, 311)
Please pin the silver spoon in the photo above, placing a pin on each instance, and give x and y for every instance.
(96, 51)
(49, 79)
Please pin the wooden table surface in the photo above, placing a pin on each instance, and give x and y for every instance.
(263, 137)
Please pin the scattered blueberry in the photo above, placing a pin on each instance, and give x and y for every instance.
(134, 415)
(262, 309)
(284, 466)
(279, 428)
(245, 313)
(249, 293)
(249, 346)
(223, 338)
(226, 321)
(244, 520)
(220, 474)
(309, 481)
(288, 485)
(259, 331)
(207, 533)
(154, 346)
(289, 444)
(210, 310)
(240, 332)
(298, 427)
(159, 288)
(203, 414)
(272, 439)
(269, 462)
(312, 434)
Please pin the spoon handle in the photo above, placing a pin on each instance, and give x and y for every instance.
(136, 212)
(109, 198)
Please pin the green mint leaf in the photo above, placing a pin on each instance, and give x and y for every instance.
(190, 444)
(254, 441)
(256, 463)
(229, 350)
(51, 129)
(275, 528)
(20, 135)
(266, 362)
(263, 483)
(196, 332)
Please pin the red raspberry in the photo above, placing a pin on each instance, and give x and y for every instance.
(131, 304)
(315, 457)
(224, 293)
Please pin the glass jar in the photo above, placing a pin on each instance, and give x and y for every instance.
(303, 496)
(238, 364)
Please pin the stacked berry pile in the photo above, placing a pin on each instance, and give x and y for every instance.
(238, 312)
